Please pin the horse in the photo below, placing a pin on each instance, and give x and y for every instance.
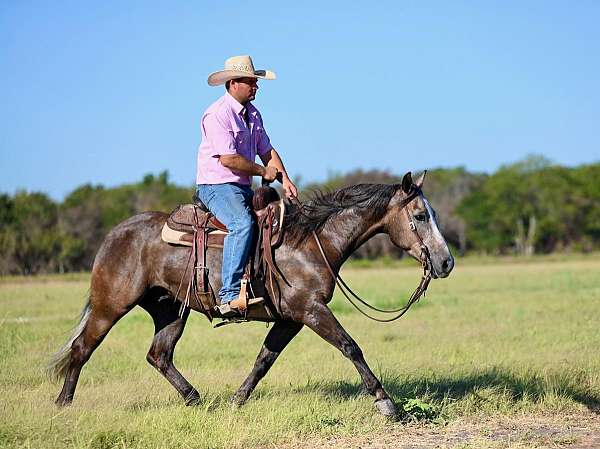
(133, 267)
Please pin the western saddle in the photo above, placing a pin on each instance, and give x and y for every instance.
(194, 226)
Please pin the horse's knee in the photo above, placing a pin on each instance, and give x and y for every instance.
(158, 360)
(351, 350)
(154, 360)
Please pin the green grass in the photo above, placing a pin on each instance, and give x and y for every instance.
(494, 339)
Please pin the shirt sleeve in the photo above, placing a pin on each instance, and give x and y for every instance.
(263, 144)
(219, 135)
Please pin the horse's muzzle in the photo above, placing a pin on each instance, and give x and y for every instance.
(445, 269)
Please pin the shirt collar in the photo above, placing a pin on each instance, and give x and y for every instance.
(237, 107)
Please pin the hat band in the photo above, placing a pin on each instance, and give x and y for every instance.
(241, 68)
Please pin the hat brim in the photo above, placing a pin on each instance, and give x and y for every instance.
(222, 76)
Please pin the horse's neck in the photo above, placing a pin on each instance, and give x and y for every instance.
(345, 232)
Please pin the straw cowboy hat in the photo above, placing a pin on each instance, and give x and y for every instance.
(238, 67)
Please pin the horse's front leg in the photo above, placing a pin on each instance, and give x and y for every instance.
(277, 339)
(320, 319)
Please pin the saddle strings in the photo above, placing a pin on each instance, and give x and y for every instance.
(192, 288)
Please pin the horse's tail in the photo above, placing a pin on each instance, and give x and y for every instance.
(59, 363)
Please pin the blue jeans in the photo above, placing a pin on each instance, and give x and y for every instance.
(231, 203)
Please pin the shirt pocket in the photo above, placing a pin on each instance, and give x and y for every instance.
(241, 137)
(258, 136)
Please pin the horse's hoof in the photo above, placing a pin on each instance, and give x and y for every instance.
(237, 400)
(192, 399)
(386, 407)
(63, 402)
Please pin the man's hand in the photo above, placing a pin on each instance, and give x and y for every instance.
(289, 188)
(272, 159)
(270, 174)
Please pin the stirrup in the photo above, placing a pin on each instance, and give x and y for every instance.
(243, 301)
(238, 307)
(227, 311)
(242, 304)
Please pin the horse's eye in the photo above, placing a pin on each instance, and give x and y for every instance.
(420, 217)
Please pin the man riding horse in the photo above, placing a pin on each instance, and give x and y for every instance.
(232, 135)
(134, 266)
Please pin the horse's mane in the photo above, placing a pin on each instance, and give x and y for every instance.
(300, 223)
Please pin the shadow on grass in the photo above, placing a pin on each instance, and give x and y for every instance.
(531, 386)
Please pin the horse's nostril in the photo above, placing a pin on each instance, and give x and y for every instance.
(447, 265)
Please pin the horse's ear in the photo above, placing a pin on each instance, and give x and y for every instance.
(407, 183)
(419, 182)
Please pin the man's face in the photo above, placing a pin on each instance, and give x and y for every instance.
(244, 89)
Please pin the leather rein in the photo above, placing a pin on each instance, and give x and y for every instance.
(416, 295)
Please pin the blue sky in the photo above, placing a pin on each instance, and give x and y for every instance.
(105, 92)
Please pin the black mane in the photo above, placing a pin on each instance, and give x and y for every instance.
(300, 223)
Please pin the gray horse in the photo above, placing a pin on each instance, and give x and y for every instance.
(134, 267)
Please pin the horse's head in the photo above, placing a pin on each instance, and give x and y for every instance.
(411, 224)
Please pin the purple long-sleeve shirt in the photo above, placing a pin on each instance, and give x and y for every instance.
(224, 131)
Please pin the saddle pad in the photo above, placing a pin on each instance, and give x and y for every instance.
(168, 235)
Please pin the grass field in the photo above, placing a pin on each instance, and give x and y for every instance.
(504, 354)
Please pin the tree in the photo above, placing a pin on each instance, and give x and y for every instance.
(81, 224)
(532, 203)
(36, 240)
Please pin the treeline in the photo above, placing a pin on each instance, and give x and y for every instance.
(531, 206)
(38, 235)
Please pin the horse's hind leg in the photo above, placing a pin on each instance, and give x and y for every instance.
(95, 327)
(321, 320)
(168, 327)
(277, 339)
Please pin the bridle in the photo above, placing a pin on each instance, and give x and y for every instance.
(424, 258)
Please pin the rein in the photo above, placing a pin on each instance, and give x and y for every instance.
(347, 291)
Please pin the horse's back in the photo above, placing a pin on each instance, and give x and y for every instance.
(130, 232)
(122, 255)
